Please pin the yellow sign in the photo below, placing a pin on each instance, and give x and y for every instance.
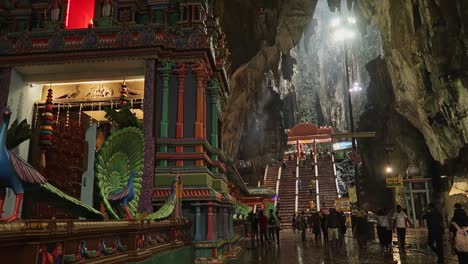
(342, 204)
(352, 194)
(394, 182)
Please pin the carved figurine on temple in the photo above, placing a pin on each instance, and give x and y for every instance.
(55, 7)
(106, 8)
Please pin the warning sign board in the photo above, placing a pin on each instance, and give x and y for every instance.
(342, 204)
(394, 182)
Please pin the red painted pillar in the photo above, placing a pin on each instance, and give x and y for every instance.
(181, 73)
(209, 230)
(200, 74)
(205, 81)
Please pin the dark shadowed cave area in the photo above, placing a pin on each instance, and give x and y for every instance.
(409, 58)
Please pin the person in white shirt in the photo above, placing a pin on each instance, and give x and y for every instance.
(400, 219)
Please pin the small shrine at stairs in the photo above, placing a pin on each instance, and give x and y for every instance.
(122, 103)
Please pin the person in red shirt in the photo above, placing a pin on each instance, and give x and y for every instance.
(263, 224)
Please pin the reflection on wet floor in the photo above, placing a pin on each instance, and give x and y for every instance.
(292, 250)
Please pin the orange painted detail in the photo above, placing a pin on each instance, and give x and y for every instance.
(181, 73)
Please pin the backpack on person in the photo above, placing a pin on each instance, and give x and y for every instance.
(272, 220)
(461, 238)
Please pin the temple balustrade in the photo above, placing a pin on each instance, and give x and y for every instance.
(75, 241)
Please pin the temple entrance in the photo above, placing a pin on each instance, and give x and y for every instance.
(79, 125)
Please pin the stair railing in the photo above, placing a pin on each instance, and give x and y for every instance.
(317, 183)
(280, 170)
(334, 175)
(296, 204)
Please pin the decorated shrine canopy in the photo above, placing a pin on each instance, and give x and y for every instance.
(309, 133)
(305, 133)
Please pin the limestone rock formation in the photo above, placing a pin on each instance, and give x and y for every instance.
(425, 45)
(258, 33)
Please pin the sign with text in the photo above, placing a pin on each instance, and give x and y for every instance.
(342, 204)
(394, 182)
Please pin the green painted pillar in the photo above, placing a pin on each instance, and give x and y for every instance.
(213, 89)
(166, 71)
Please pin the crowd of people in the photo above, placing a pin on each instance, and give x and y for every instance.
(332, 227)
(264, 229)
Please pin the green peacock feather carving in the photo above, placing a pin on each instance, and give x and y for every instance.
(119, 166)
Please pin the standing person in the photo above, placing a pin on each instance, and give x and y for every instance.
(263, 224)
(333, 224)
(310, 222)
(316, 227)
(294, 220)
(360, 228)
(400, 220)
(383, 228)
(278, 227)
(435, 231)
(323, 223)
(458, 233)
(253, 229)
(342, 227)
(271, 226)
(303, 225)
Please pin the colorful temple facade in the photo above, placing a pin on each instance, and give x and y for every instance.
(163, 60)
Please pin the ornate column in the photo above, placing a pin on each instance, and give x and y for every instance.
(181, 73)
(166, 69)
(198, 235)
(204, 106)
(213, 91)
(225, 224)
(149, 113)
(200, 74)
(209, 223)
(5, 78)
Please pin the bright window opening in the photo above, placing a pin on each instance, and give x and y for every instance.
(79, 14)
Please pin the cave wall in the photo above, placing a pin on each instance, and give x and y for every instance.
(320, 78)
(258, 33)
(425, 46)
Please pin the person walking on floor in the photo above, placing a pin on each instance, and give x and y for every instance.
(400, 220)
(324, 226)
(316, 227)
(360, 228)
(435, 231)
(383, 227)
(271, 226)
(302, 222)
(263, 224)
(459, 234)
(253, 229)
(342, 227)
(278, 227)
(333, 224)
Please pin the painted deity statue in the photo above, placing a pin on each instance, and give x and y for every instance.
(55, 7)
(106, 8)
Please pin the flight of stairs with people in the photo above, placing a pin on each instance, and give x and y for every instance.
(306, 175)
(327, 184)
(287, 193)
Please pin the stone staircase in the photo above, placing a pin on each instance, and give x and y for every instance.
(272, 176)
(287, 193)
(327, 185)
(306, 174)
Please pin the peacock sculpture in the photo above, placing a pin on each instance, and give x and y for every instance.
(168, 207)
(17, 174)
(119, 166)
